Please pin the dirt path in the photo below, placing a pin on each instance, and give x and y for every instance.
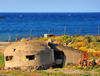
(68, 71)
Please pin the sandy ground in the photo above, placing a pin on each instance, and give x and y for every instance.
(4, 45)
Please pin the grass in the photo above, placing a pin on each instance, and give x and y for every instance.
(76, 67)
(59, 73)
(1, 60)
(44, 73)
(84, 75)
(0, 75)
(97, 69)
(85, 43)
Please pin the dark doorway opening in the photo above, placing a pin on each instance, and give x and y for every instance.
(30, 57)
(59, 58)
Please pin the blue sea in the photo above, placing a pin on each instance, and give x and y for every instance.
(38, 24)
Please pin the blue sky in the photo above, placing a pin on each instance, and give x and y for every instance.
(49, 5)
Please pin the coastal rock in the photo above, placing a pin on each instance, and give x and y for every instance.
(2, 16)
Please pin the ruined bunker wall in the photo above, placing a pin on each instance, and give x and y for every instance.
(72, 55)
(20, 58)
(30, 58)
(47, 57)
(28, 54)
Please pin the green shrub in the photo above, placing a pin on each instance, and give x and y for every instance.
(1, 75)
(84, 75)
(90, 55)
(76, 67)
(67, 75)
(35, 71)
(95, 66)
(88, 47)
(95, 48)
(47, 73)
(7, 72)
(60, 74)
(1, 58)
(76, 40)
(88, 38)
(63, 68)
(55, 69)
(87, 68)
(97, 74)
(67, 40)
(69, 64)
(98, 40)
(66, 37)
(54, 74)
(43, 72)
(93, 39)
(50, 73)
(91, 68)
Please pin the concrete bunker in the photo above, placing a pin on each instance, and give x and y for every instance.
(64, 54)
(39, 53)
(30, 53)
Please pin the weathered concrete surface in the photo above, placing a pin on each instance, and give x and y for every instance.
(39, 53)
(28, 53)
(70, 54)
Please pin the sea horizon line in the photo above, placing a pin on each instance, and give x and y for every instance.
(49, 12)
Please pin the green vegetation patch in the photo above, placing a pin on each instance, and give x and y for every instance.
(67, 38)
(1, 60)
(1, 75)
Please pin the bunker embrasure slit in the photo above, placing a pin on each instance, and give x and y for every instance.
(30, 57)
(9, 58)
